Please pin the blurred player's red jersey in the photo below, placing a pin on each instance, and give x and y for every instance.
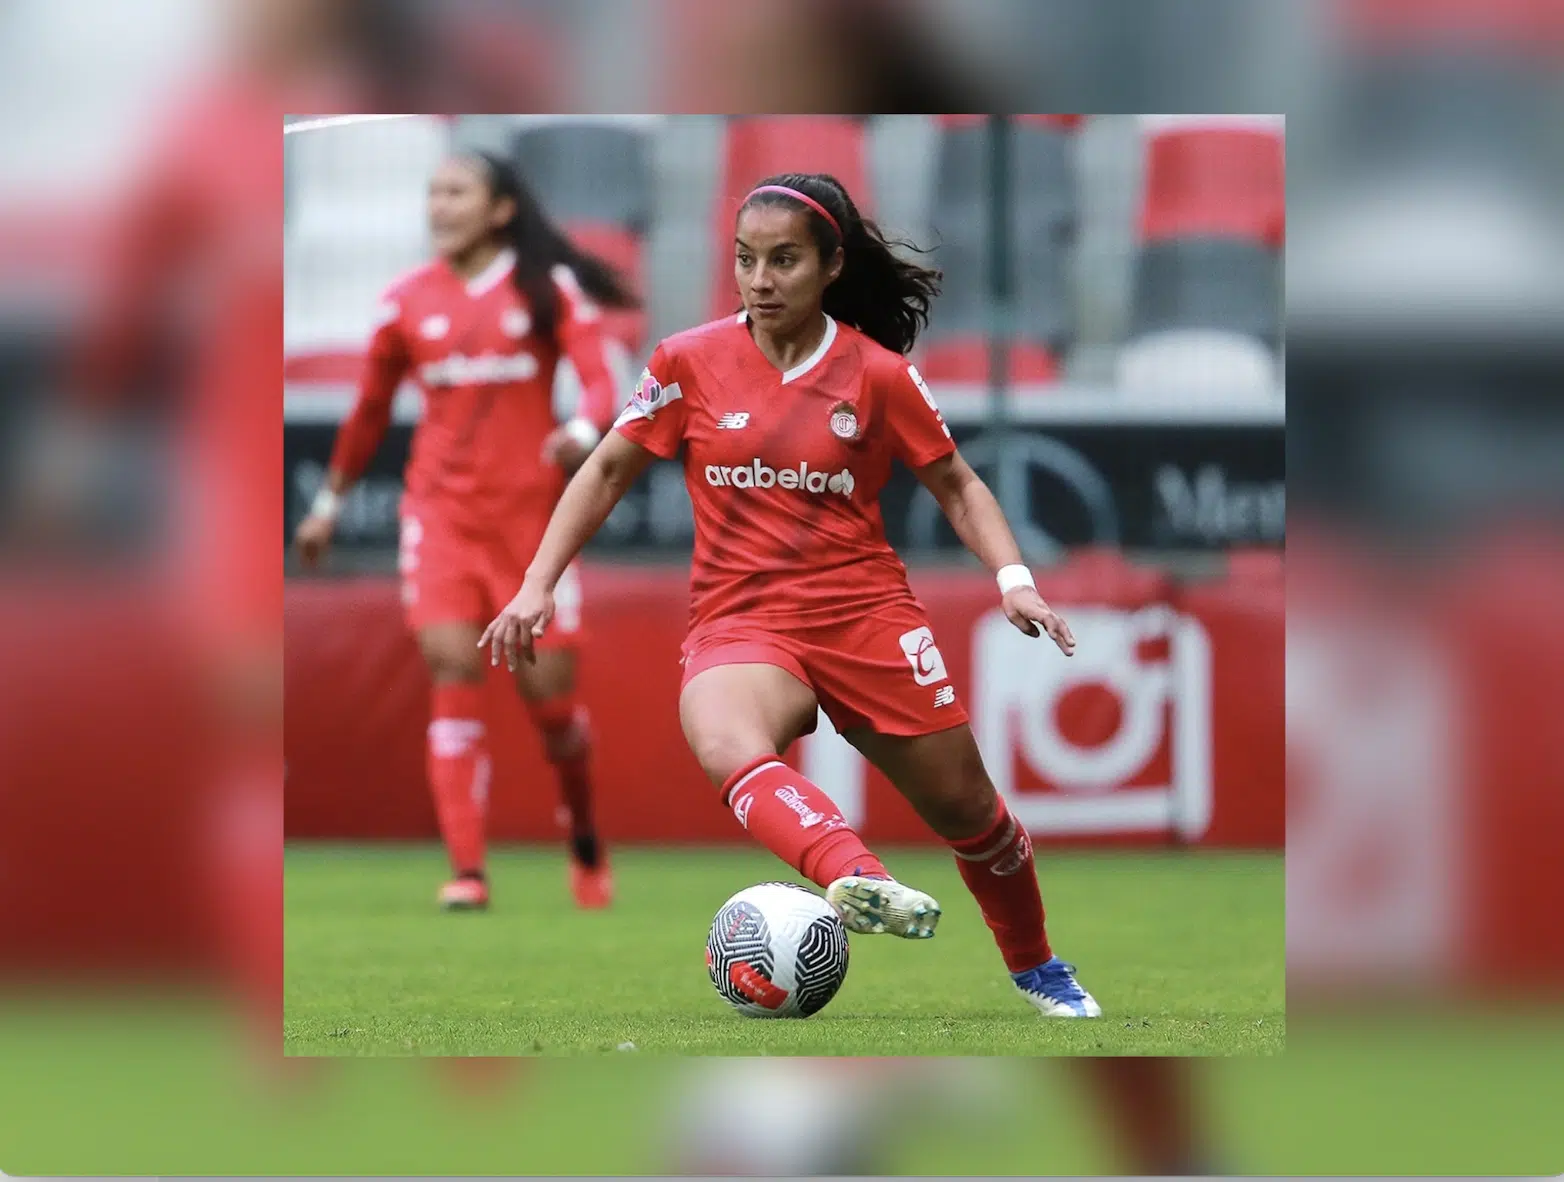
(478, 490)
(487, 378)
(785, 469)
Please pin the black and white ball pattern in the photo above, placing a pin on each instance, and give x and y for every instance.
(777, 950)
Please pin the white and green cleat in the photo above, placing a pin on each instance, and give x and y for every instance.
(870, 906)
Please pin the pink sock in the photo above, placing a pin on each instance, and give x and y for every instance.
(459, 771)
(797, 822)
(998, 869)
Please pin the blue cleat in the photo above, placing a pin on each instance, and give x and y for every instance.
(1052, 988)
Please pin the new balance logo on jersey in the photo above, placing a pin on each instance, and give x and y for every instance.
(794, 800)
(758, 475)
(734, 420)
(485, 369)
(944, 696)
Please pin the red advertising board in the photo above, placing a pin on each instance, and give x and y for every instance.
(1167, 725)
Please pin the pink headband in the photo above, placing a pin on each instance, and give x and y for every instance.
(797, 196)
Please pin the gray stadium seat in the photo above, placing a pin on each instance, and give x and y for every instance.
(1227, 284)
(587, 172)
(1042, 198)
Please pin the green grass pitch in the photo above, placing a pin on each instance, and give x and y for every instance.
(1185, 951)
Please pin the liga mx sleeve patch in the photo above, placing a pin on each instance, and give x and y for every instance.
(650, 396)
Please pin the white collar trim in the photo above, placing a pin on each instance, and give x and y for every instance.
(808, 363)
(814, 358)
(495, 272)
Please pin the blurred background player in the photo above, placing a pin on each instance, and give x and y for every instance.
(789, 416)
(482, 328)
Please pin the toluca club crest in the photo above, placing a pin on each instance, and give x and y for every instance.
(844, 421)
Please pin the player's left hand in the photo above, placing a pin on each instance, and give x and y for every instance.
(562, 447)
(1028, 611)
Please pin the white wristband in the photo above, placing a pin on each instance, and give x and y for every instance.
(1013, 576)
(326, 504)
(584, 432)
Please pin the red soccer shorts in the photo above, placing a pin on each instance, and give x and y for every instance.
(450, 574)
(881, 671)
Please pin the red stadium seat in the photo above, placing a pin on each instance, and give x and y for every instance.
(1215, 178)
(594, 177)
(323, 367)
(622, 248)
(758, 146)
(1205, 318)
(965, 359)
(1062, 122)
(1043, 195)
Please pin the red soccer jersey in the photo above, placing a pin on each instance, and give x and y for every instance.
(785, 469)
(487, 379)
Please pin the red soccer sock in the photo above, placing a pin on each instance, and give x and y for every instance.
(567, 743)
(246, 870)
(797, 822)
(998, 869)
(458, 764)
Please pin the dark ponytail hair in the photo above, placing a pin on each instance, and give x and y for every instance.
(540, 246)
(882, 295)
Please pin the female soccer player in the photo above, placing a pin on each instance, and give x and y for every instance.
(789, 415)
(483, 328)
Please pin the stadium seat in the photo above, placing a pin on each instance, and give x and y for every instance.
(1044, 212)
(759, 146)
(1206, 310)
(594, 179)
(1213, 177)
(624, 250)
(1198, 364)
(965, 359)
(588, 171)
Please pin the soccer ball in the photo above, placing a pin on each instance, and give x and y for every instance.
(777, 950)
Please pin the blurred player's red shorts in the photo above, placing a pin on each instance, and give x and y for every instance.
(454, 574)
(882, 671)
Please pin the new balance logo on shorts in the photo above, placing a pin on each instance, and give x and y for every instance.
(923, 655)
(734, 420)
(944, 696)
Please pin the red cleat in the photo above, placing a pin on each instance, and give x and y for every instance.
(465, 894)
(593, 887)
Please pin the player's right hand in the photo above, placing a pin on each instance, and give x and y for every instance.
(313, 538)
(514, 629)
(1029, 611)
